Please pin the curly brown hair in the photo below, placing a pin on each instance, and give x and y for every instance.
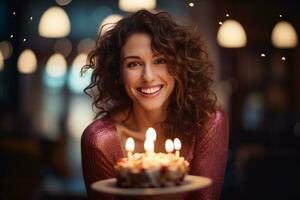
(192, 101)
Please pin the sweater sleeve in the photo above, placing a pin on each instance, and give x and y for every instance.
(98, 156)
(210, 156)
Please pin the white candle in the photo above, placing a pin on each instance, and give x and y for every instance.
(177, 146)
(149, 146)
(150, 139)
(129, 147)
(169, 146)
(151, 134)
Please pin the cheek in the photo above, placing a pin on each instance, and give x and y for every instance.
(128, 78)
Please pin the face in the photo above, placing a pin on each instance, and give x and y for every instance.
(145, 74)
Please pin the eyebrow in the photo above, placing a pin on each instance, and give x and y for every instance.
(137, 57)
(128, 57)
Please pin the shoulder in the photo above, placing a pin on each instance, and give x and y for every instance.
(219, 118)
(98, 132)
(216, 127)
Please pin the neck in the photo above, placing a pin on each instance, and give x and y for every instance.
(143, 119)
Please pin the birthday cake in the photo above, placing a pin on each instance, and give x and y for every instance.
(144, 170)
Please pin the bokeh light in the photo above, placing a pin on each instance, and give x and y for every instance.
(27, 62)
(6, 49)
(63, 2)
(1, 61)
(85, 45)
(135, 5)
(63, 46)
(55, 72)
(54, 23)
(284, 35)
(76, 81)
(109, 22)
(232, 35)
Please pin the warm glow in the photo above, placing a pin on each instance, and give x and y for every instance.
(63, 2)
(231, 34)
(135, 5)
(63, 46)
(56, 66)
(6, 49)
(85, 45)
(54, 23)
(177, 144)
(149, 146)
(150, 134)
(109, 22)
(129, 144)
(169, 146)
(27, 62)
(284, 35)
(1, 61)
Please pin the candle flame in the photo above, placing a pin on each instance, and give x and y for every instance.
(130, 144)
(169, 146)
(150, 134)
(149, 145)
(177, 144)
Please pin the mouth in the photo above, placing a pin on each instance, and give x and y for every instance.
(150, 91)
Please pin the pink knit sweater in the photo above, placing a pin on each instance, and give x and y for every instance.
(101, 149)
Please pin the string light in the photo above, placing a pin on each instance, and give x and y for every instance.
(24, 40)
(31, 18)
(227, 15)
(11, 36)
(191, 4)
(263, 55)
(280, 16)
(14, 13)
(220, 23)
(282, 58)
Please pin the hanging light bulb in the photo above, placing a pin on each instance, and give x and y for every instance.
(135, 5)
(231, 34)
(27, 62)
(284, 35)
(54, 23)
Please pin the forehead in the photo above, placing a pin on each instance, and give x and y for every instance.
(136, 44)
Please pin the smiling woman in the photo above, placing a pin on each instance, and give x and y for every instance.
(145, 75)
(149, 71)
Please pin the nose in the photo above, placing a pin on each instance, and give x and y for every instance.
(148, 73)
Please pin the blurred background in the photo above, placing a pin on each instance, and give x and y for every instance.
(43, 110)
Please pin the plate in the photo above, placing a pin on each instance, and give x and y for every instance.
(190, 183)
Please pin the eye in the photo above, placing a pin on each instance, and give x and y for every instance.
(160, 61)
(133, 64)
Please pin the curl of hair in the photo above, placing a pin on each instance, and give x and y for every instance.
(192, 101)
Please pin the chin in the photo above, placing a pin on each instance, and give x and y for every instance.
(151, 106)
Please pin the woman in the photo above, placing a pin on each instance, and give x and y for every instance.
(149, 71)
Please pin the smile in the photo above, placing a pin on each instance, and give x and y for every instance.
(150, 91)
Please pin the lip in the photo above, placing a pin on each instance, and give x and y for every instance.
(152, 94)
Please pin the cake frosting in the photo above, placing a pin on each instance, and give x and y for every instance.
(144, 170)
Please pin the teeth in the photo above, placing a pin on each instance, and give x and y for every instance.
(150, 90)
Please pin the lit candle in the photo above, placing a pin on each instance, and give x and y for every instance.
(149, 145)
(177, 146)
(150, 134)
(169, 146)
(150, 139)
(129, 147)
